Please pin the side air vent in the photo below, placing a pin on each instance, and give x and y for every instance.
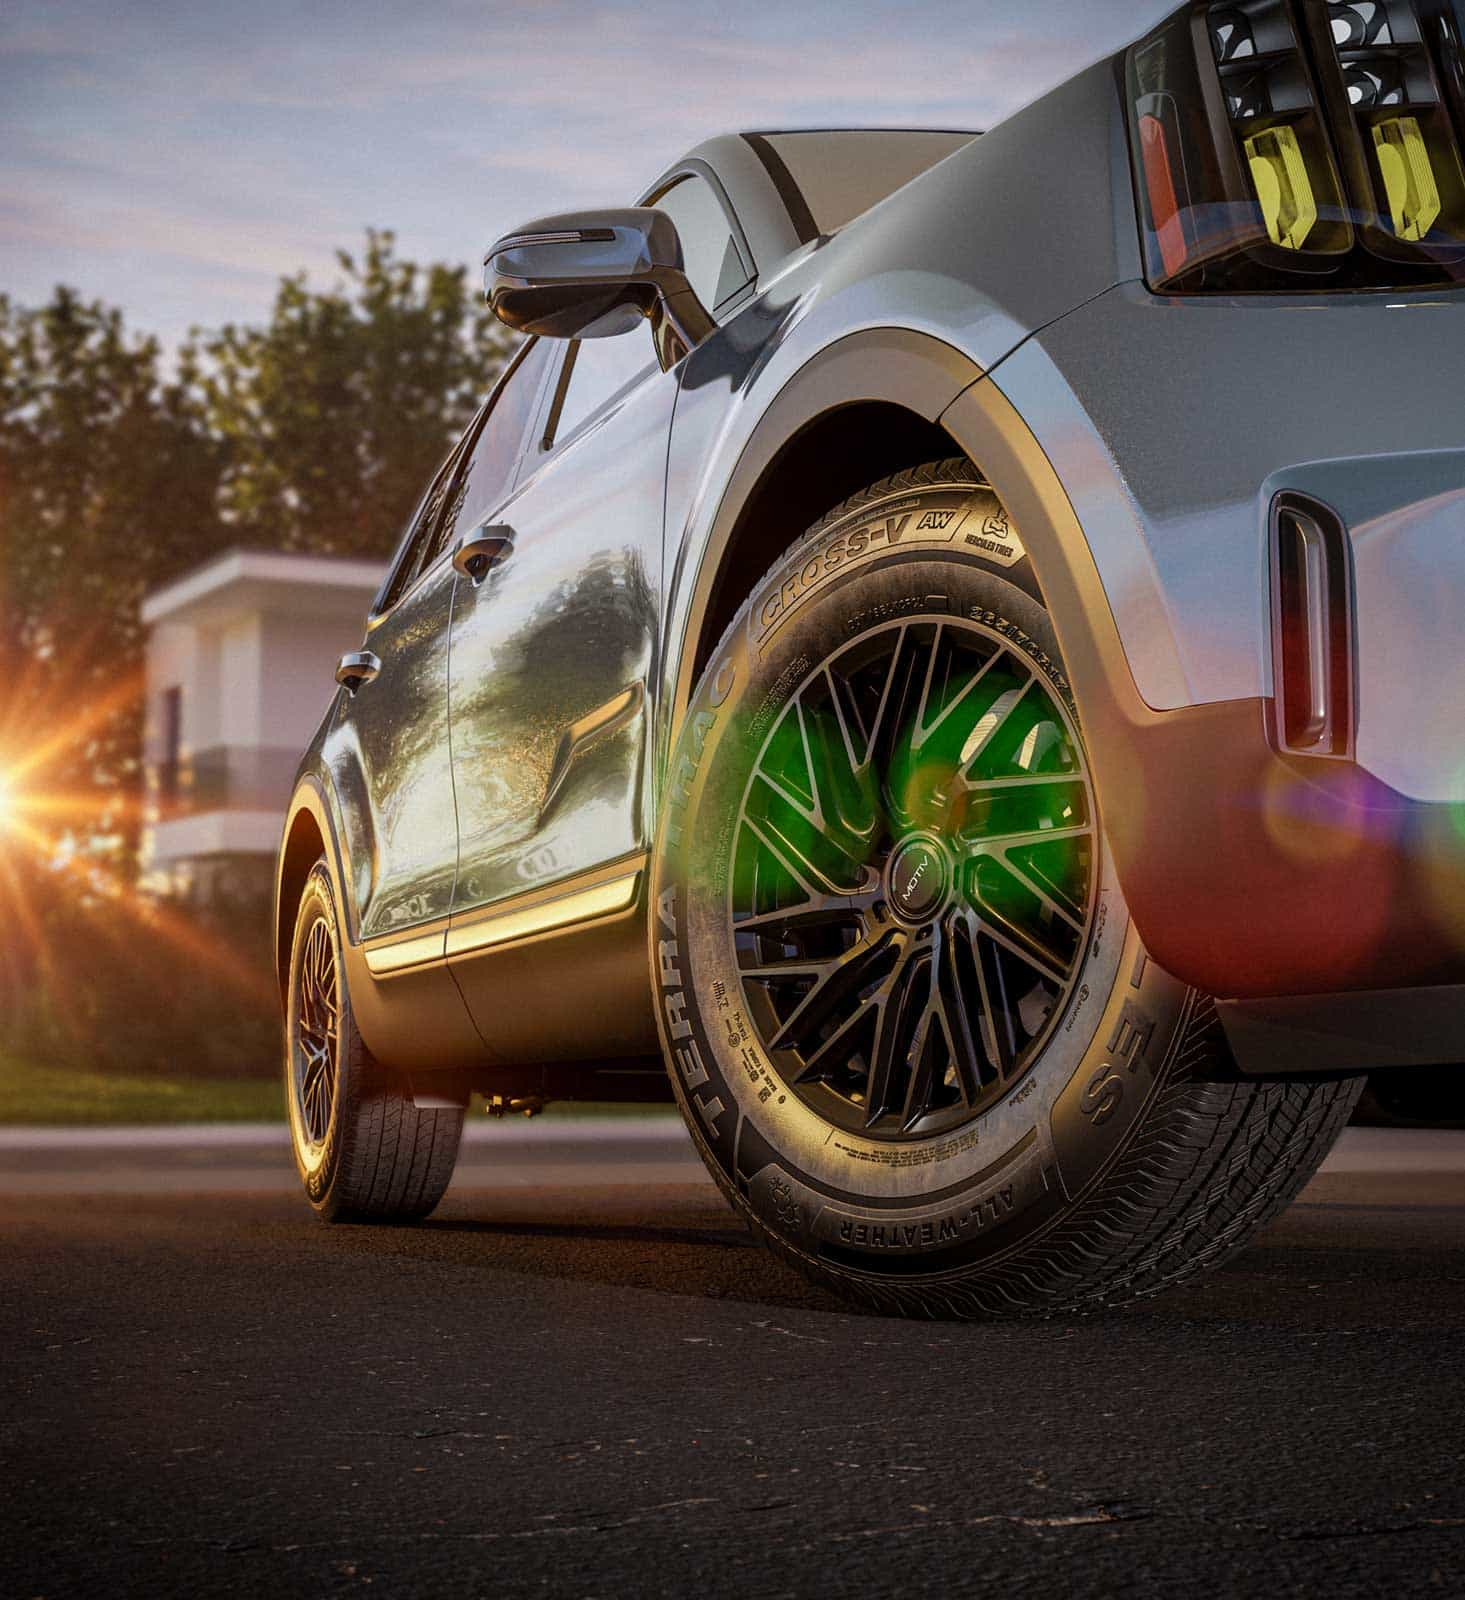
(1312, 628)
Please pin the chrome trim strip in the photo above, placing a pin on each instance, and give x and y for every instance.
(395, 954)
(544, 915)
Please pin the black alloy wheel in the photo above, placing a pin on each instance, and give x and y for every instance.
(914, 879)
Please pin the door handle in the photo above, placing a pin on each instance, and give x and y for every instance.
(480, 551)
(355, 668)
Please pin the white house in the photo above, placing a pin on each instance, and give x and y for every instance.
(240, 666)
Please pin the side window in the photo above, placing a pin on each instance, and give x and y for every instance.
(488, 473)
(487, 455)
(595, 371)
(413, 557)
(714, 264)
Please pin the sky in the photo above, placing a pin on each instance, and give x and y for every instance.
(176, 159)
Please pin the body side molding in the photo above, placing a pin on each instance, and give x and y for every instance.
(605, 719)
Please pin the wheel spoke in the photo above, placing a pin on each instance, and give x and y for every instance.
(317, 1024)
(996, 1013)
(1018, 942)
(831, 1051)
(894, 1004)
(811, 913)
(835, 982)
(1028, 881)
(795, 859)
(885, 1052)
(928, 728)
(990, 724)
(963, 1036)
(920, 1056)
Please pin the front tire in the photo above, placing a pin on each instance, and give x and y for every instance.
(364, 1151)
(910, 1024)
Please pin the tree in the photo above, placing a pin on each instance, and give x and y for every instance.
(316, 432)
(108, 486)
(335, 413)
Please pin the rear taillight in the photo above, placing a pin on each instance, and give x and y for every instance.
(1312, 628)
(1300, 144)
(1385, 67)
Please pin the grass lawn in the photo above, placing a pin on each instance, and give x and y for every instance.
(33, 1095)
(65, 1096)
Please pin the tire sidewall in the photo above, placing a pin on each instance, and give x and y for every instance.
(869, 1205)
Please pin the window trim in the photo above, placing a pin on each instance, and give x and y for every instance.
(549, 440)
(694, 167)
(453, 466)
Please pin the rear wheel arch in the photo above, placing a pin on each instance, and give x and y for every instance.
(831, 457)
(864, 406)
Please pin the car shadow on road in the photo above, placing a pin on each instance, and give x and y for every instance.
(1334, 1260)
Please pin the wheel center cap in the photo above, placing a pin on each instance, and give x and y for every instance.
(916, 876)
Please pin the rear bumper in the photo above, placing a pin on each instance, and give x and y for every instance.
(1360, 1032)
(1249, 873)
(1253, 874)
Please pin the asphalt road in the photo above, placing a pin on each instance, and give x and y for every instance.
(582, 1379)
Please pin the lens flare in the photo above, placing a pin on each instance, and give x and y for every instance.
(64, 843)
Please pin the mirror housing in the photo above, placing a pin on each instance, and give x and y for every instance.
(594, 274)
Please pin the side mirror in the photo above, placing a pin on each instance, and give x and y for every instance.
(594, 274)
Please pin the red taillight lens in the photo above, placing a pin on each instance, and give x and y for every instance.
(1160, 191)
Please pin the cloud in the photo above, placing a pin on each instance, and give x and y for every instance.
(177, 157)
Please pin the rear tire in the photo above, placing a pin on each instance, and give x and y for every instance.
(907, 1017)
(364, 1151)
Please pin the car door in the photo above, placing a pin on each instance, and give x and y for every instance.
(554, 643)
(388, 748)
(552, 646)
(554, 653)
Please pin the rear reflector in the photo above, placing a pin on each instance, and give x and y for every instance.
(1279, 175)
(1414, 197)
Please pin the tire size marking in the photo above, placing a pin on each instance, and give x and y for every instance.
(788, 680)
(686, 1057)
(872, 616)
(911, 1155)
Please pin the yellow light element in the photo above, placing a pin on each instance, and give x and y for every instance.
(1403, 156)
(1279, 174)
(7, 795)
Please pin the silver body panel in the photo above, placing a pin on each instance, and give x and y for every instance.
(999, 297)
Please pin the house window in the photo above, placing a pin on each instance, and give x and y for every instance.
(170, 748)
